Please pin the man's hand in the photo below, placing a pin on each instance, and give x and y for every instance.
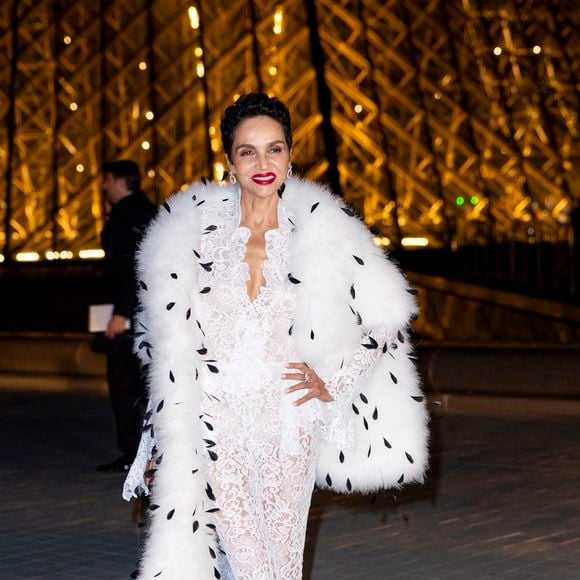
(117, 325)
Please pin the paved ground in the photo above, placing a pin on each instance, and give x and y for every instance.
(503, 501)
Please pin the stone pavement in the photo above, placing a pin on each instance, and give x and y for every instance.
(502, 501)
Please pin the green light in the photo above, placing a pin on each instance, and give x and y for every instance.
(474, 199)
(459, 200)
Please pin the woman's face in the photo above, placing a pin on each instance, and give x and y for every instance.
(260, 156)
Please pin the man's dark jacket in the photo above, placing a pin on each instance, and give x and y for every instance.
(120, 239)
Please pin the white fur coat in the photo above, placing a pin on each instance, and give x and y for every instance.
(345, 287)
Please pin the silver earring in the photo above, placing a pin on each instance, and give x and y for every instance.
(289, 172)
(232, 179)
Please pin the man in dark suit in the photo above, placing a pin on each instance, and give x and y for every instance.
(129, 214)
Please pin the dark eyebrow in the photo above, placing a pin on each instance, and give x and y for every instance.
(253, 146)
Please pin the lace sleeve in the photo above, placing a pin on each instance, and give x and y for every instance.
(134, 485)
(337, 417)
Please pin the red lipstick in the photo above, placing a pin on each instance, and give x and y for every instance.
(264, 178)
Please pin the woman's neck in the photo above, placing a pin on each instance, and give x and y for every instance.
(258, 214)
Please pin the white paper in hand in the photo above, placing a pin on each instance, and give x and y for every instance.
(99, 316)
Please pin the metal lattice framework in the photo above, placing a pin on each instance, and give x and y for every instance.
(453, 120)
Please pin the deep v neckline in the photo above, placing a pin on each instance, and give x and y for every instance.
(268, 234)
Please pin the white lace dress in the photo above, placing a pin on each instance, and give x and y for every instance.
(264, 448)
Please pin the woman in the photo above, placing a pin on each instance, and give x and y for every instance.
(269, 315)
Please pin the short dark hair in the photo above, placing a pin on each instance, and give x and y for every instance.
(127, 169)
(253, 105)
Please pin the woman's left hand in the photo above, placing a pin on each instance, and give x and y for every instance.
(308, 380)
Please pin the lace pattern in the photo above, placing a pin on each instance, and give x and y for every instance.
(337, 418)
(134, 485)
(266, 448)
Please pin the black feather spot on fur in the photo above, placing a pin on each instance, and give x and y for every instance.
(341, 457)
(209, 492)
(170, 514)
(216, 574)
(211, 228)
(159, 459)
(174, 275)
(202, 351)
(366, 423)
(348, 485)
(206, 266)
(195, 526)
(352, 292)
(348, 211)
(204, 179)
(197, 254)
(196, 374)
(153, 507)
(212, 455)
(355, 409)
(171, 376)
(401, 479)
(328, 479)
(158, 574)
(385, 348)
(205, 290)
(409, 457)
(200, 202)
(359, 260)
(188, 314)
(194, 471)
(312, 335)
(290, 330)
(412, 291)
(387, 444)
(209, 426)
(160, 406)
(372, 343)
(170, 305)
(212, 510)
(363, 398)
(400, 337)
(314, 206)
(394, 378)
(419, 399)
(369, 451)
(212, 553)
(167, 207)
(213, 369)
(142, 284)
(375, 414)
(293, 280)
